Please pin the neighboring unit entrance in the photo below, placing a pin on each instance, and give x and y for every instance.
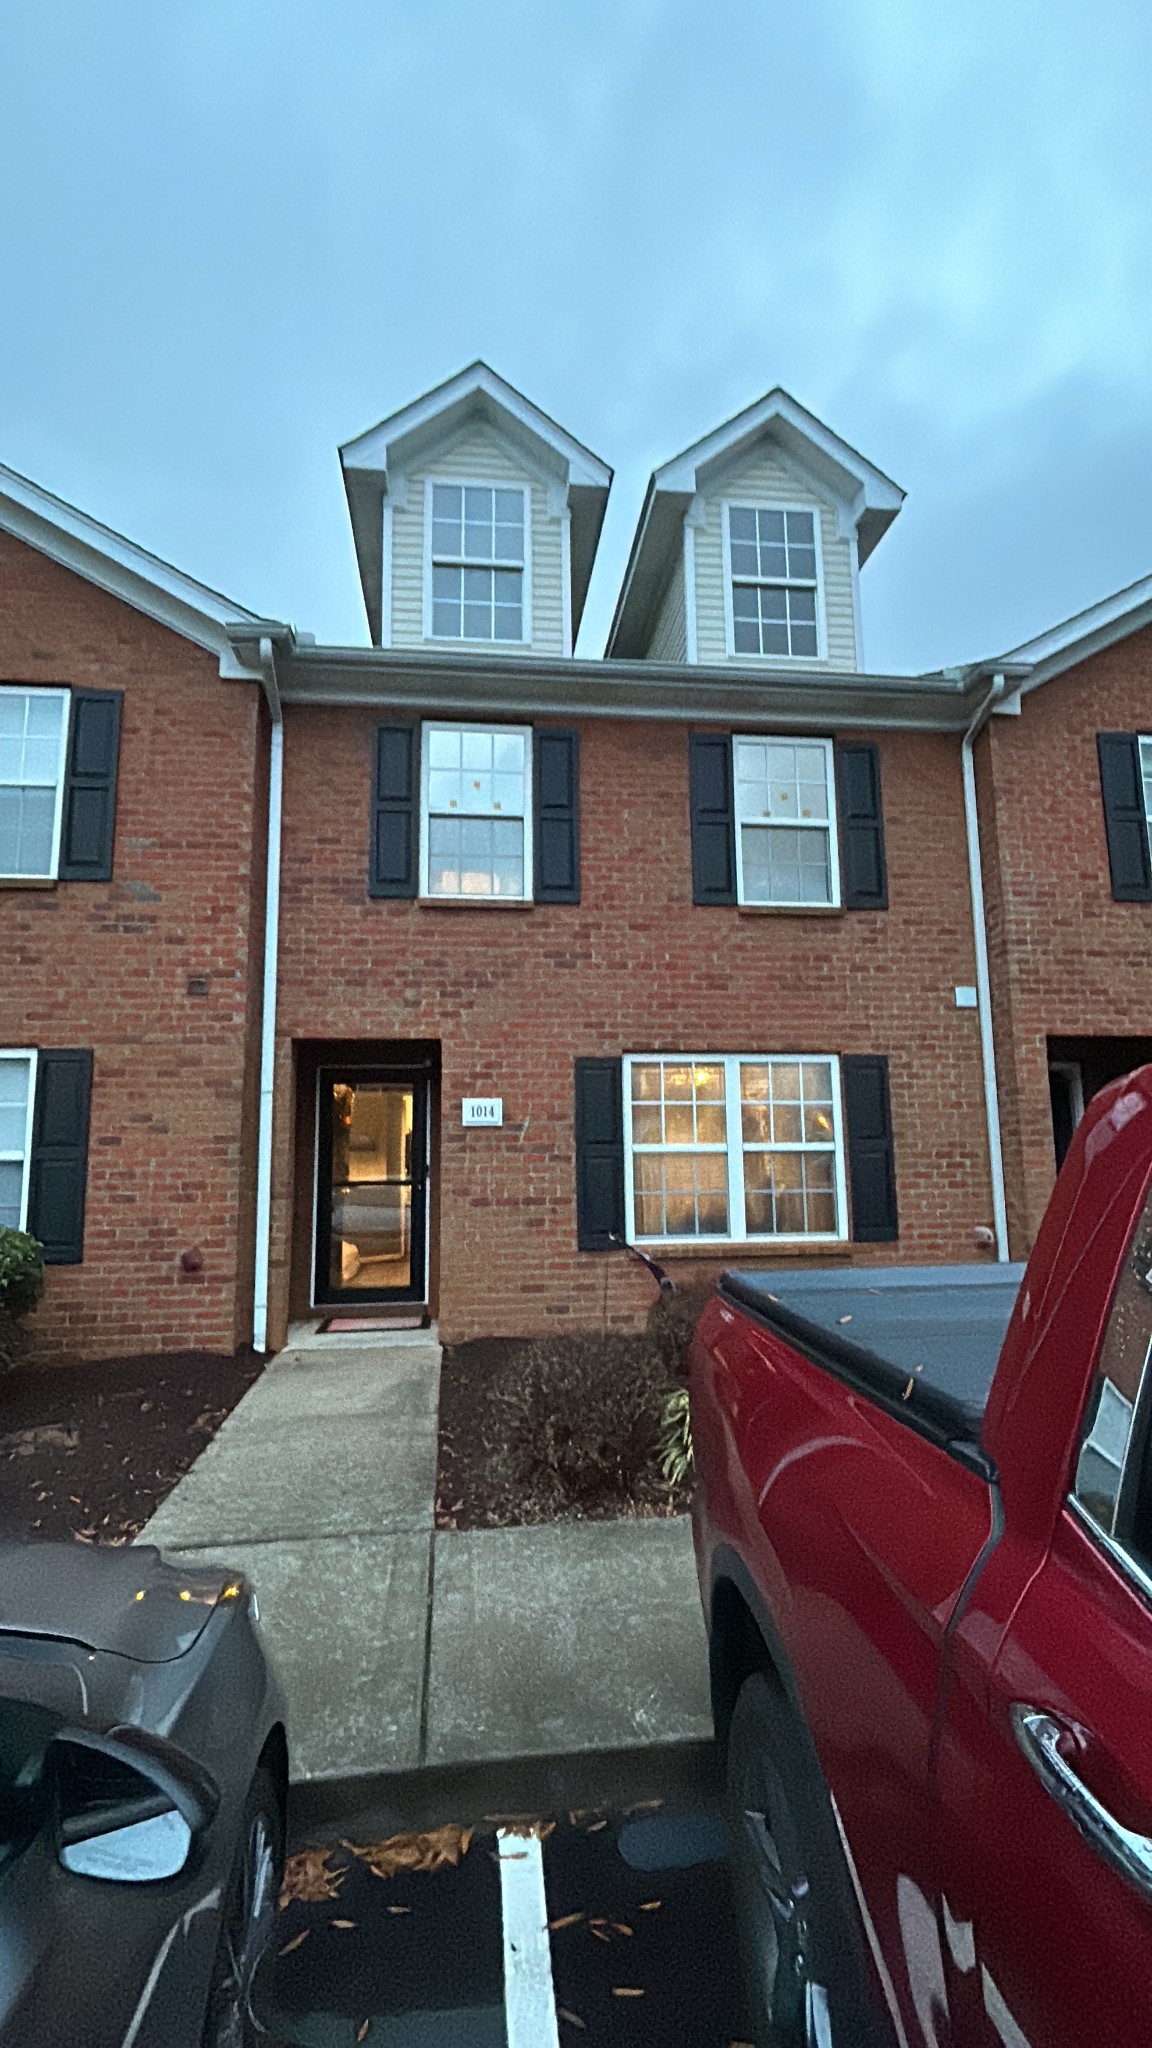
(371, 1185)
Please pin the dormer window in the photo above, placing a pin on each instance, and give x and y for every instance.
(476, 561)
(773, 581)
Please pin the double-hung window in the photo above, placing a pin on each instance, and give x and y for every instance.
(477, 561)
(33, 747)
(785, 810)
(740, 1146)
(773, 580)
(17, 1094)
(476, 839)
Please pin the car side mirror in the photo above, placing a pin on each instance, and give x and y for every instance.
(129, 1808)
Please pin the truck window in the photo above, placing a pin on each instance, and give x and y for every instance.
(1111, 1483)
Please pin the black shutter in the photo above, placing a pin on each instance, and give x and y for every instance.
(1123, 790)
(393, 865)
(599, 1155)
(556, 812)
(863, 870)
(89, 820)
(871, 1163)
(59, 1175)
(713, 834)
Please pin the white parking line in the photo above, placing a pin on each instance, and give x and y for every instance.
(529, 2000)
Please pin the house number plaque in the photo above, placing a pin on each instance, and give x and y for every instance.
(483, 1109)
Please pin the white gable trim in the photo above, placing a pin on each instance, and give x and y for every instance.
(829, 462)
(371, 450)
(1086, 633)
(112, 563)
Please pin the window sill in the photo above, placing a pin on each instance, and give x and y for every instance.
(29, 881)
(790, 910)
(444, 646)
(476, 902)
(749, 1247)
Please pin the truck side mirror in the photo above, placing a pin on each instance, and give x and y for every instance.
(128, 1807)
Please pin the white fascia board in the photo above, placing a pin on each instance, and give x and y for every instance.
(1086, 633)
(126, 571)
(371, 450)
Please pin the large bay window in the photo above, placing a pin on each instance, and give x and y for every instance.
(33, 744)
(476, 839)
(476, 560)
(735, 1146)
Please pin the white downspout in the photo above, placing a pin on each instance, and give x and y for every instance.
(268, 1002)
(983, 981)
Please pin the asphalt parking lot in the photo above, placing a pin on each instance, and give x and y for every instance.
(600, 1918)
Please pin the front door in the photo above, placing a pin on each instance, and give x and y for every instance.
(371, 1185)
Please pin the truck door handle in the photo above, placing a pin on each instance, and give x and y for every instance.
(1122, 1848)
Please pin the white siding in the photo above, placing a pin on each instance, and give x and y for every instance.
(480, 455)
(766, 475)
(669, 639)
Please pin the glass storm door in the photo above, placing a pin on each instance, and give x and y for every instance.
(371, 1186)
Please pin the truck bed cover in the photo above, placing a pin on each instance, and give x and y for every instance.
(922, 1339)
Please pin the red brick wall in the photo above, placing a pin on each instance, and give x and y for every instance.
(515, 995)
(171, 1160)
(1066, 960)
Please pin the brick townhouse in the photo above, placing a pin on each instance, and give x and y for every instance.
(424, 975)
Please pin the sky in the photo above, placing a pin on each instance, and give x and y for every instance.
(234, 234)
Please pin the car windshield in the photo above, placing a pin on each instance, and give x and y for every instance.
(26, 1729)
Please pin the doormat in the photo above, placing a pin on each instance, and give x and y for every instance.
(346, 1325)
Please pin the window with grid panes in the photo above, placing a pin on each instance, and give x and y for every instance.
(16, 1078)
(476, 825)
(785, 801)
(775, 580)
(737, 1146)
(477, 562)
(33, 743)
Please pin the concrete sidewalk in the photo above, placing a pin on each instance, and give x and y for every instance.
(399, 1646)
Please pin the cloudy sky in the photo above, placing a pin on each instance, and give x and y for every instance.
(235, 233)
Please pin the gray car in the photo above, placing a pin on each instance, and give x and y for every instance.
(143, 1781)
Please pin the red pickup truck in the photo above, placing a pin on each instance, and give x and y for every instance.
(924, 1536)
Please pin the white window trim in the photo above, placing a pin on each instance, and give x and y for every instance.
(480, 483)
(773, 505)
(32, 690)
(1144, 739)
(831, 825)
(737, 1232)
(476, 725)
(30, 1054)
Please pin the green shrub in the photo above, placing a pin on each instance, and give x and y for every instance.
(21, 1286)
(21, 1272)
(676, 1439)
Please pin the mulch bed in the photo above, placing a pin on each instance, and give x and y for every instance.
(90, 1451)
(472, 1490)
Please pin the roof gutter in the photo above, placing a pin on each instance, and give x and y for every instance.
(271, 688)
(983, 979)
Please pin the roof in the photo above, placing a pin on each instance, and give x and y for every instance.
(376, 462)
(1088, 632)
(869, 500)
(118, 566)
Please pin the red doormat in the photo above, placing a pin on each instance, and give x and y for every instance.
(347, 1325)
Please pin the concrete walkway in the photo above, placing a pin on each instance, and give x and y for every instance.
(399, 1646)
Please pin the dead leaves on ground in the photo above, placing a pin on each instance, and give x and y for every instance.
(430, 1849)
(309, 1878)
